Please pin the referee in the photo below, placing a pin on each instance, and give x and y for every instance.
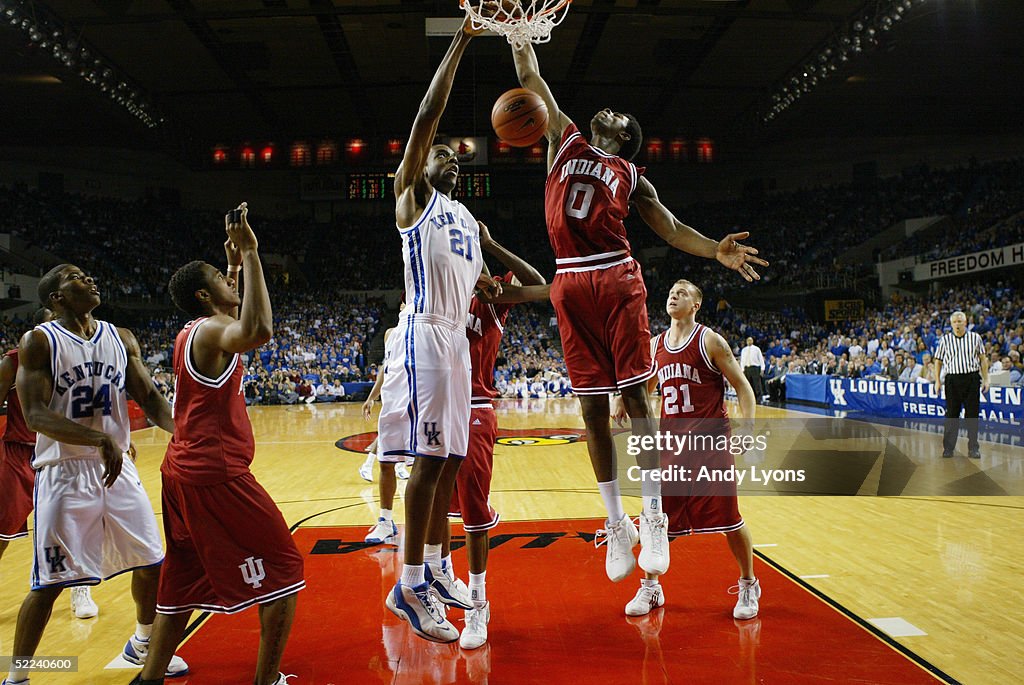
(752, 363)
(963, 354)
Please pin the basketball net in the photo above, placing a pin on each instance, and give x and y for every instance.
(520, 21)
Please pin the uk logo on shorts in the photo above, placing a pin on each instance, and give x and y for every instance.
(55, 559)
(252, 572)
(431, 433)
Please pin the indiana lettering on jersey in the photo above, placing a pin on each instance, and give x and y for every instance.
(589, 167)
(677, 370)
(66, 380)
(474, 324)
(446, 219)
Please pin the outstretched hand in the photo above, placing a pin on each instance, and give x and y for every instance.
(739, 257)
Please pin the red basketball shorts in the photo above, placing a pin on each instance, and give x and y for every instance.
(17, 481)
(602, 319)
(701, 507)
(228, 548)
(473, 482)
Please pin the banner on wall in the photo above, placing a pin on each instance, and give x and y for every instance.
(894, 399)
(844, 310)
(997, 258)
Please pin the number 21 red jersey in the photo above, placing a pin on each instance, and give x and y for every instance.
(691, 386)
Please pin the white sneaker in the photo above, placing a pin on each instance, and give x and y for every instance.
(282, 679)
(620, 538)
(647, 599)
(366, 472)
(82, 605)
(654, 553)
(385, 532)
(419, 607)
(474, 635)
(450, 591)
(749, 592)
(402, 471)
(135, 652)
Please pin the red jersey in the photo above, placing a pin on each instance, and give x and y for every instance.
(16, 430)
(485, 325)
(691, 386)
(586, 199)
(212, 440)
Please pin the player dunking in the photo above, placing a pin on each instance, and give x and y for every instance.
(425, 402)
(228, 547)
(599, 295)
(692, 364)
(17, 479)
(93, 519)
(484, 328)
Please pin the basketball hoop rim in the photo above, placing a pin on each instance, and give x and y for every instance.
(530, 17)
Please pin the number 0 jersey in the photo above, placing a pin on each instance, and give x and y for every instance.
(88, 388)
(586, 199)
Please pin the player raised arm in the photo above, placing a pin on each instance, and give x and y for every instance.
(728, 251)
(255, 323)
(234, 260)
(528, 71)
(424, 127)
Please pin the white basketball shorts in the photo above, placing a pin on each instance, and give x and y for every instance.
(426, 392)
(84, 532)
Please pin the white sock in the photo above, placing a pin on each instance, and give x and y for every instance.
(142, 632)
(16, 675)
(432, 554)
(612, 500)
(446, 566)
(370, 458)
(652, 505)
(412, 575)
(478, 587)
(386, 514)
(649, 582)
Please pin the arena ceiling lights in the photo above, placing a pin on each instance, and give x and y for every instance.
(863, 31)
(49, 34)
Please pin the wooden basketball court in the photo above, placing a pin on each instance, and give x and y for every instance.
(865, 589)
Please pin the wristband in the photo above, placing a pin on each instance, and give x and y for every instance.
(234, 269)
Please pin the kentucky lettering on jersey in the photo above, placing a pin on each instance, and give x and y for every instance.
(65, 380)
(589, 167)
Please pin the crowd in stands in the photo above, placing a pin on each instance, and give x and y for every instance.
(321, 338)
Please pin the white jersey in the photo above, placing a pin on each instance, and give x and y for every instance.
(442, 259)
(88, 388)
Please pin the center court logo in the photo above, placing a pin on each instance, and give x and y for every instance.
(523, 437)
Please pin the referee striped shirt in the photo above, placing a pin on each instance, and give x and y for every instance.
(960, 355)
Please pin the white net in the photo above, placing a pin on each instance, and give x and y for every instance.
(520, 21)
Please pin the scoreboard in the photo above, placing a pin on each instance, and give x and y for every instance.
(378, 186)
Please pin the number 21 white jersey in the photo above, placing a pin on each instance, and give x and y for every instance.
(442, 259)
(88, 388)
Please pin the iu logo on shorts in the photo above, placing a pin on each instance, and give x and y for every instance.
(432, 434)
(252, 572)
(55, 559)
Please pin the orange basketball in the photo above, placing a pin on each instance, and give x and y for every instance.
(519, 117)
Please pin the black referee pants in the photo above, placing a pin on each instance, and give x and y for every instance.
(963, 391)
(753, 374)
